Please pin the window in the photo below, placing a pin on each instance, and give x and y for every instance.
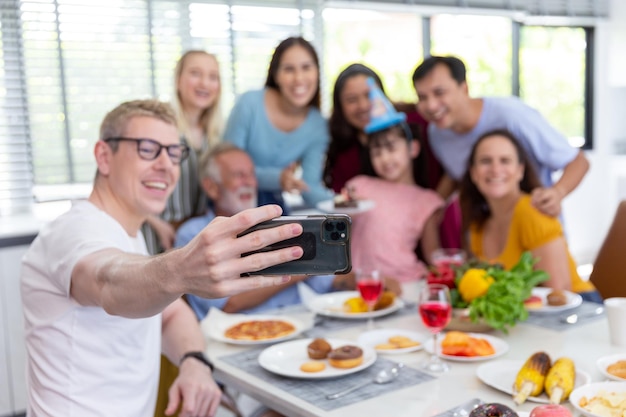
(65, 63)
(79, 58)
(363, 36)
(483, 43)
(552, 77)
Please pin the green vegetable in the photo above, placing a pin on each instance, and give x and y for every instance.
(503, 304)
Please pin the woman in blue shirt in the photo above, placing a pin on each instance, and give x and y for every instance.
(281, 126)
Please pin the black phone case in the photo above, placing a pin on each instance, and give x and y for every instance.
(326, 248)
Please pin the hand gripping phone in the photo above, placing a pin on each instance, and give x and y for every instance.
(325, 240)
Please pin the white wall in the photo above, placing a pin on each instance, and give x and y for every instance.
(590, 208)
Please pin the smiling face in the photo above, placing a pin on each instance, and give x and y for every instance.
(134, 187)
(297, 76)
(496, 169)
(355, 101)
(198, 84)
(236, 189)
(441, 99)
(392, 157)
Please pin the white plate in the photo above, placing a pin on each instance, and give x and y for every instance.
(217, 328)
(499, 345)
(605, 361)
(328, 206)
(378, 336)
(590, 390)
(501, 375)
(285, 359)
(573, 301)
(331, 305)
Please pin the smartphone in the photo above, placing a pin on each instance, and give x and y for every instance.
(325, 240)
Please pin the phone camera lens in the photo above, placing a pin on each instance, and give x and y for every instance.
(341, 226)
(334, 235)
(329, 226)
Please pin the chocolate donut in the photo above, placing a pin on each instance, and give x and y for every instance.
(347, 356)
(493, 410)
(318, 349)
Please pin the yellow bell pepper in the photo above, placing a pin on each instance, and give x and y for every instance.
(474, 283)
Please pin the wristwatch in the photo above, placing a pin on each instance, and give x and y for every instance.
(199, 356)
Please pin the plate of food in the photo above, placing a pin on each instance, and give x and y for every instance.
(349, 207)
(468, 347)
(546, 301)
(600, 399)
(349, 305)
(250, 329)
(316, 358)
(501, 375)
(613, 366)
(393, 341)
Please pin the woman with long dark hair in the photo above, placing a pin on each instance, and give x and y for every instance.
(500, 222)
(281, 127)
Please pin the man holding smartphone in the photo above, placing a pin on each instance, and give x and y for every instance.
(98, 310)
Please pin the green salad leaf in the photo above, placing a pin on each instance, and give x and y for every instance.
(503, 304)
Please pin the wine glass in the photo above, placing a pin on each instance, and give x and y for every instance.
(370, 286)
(435, 308)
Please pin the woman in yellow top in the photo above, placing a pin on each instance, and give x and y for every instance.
(500, 220)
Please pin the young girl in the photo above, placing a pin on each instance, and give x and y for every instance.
(405, 214)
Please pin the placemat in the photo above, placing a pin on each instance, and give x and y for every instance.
(555, 321)
(314, 391)
(325, 324)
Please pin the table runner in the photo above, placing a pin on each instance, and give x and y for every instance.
(553, 321)
(314, 391)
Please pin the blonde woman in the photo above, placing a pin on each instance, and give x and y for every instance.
(197, 106)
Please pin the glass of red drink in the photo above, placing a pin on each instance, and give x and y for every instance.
(435, 309)
(370, 286)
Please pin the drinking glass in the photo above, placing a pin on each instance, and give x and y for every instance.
(435, 309)
(370, 286)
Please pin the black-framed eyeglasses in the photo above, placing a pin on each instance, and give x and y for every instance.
(150, 149)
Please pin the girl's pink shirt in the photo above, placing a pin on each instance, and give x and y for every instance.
(385, 237)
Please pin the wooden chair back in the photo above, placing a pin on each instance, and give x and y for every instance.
(609, 268)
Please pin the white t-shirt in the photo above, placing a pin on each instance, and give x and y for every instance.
(82, 361)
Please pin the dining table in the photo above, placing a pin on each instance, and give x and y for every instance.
(419, 394)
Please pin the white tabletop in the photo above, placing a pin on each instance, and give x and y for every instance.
(583, 343)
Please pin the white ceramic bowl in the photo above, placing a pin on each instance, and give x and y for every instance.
(591, 390)
(605, 361)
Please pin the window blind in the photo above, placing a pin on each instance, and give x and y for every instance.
(15, 162)
(569, 8)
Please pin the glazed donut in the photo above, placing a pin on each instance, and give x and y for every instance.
(347, 356)
(318, 349)
(493, 410)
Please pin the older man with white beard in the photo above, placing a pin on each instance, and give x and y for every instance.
(228, 178)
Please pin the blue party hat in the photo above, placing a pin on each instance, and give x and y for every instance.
(383, 115)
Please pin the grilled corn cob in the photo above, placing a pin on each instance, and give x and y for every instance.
(530, 379)
(560, 380)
